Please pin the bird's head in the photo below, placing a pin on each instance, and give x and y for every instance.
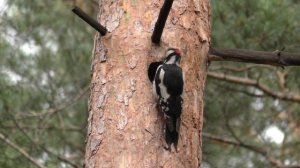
(173, 56)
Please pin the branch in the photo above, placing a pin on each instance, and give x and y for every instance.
(92, 22)
(20, 150)
(161, 21)
(31, 127)
(254, 83)
(244, 92)
(63, 159)
(63, 106)
(281, 76)
(277, 163)
(276, 58)
(234, 142)
(242, 69)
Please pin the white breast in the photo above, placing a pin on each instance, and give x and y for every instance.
(163, 89)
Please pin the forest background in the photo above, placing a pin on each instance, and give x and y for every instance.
(45, 57)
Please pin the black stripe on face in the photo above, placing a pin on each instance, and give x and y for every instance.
(177, 57)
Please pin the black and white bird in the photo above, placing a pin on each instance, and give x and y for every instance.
(168, 86)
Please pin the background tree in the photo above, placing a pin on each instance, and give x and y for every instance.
(44, 57)
(250, 114)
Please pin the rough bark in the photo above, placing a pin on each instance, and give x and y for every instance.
(124, 127)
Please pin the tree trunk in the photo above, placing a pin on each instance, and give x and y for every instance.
(124, 127)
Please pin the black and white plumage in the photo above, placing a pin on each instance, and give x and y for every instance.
(168, 86)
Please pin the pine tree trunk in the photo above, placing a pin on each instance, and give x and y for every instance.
(124, 127)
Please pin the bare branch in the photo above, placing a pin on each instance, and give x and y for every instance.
(276, 58)
(275, 162)
(234, 142)
(242, 69)
(77, 97)
(92, 22)
(248, 93)
(161, 21)
(281, 76)
(63, 106)
(250, 82)
(31, 127)
(61, 158)
(20, 150)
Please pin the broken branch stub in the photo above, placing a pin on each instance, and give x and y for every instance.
(161, 21)
(92, 22)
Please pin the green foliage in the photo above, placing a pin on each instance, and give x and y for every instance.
(258, 24)
(232, 110)
(45, 55)
(44, 64)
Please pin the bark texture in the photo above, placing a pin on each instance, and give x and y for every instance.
(124, 126)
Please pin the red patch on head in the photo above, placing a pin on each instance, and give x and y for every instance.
(177, 51)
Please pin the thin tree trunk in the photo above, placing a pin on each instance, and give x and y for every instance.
(124, 127)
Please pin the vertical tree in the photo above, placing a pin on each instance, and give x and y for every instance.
(124, 126)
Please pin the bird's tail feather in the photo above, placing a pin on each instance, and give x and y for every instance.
(172, 130)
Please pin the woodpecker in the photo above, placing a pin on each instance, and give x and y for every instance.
(168, 87)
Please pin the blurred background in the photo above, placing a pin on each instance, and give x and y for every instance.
(45, 56)
(244, 126)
